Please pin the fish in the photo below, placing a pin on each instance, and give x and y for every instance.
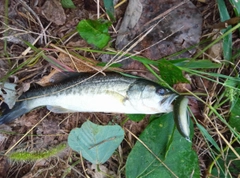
(85, 92)
(181, 116)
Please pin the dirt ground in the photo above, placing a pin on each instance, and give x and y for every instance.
(51, 28)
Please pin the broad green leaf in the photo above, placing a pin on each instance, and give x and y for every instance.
(170, 73)
(233, 94)
(229, 167)
(136, 117)
(68, 4)
(95, 32)
(109, 6)
(181, 160)
(96, 143)
(234, 120)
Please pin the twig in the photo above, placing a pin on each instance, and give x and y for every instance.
(43, 34)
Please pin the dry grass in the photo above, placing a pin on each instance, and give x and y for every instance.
(40, 130)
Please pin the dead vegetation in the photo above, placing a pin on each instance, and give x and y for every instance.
(51, 29)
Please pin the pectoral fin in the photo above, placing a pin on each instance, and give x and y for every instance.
(116, 96)
(59, 109)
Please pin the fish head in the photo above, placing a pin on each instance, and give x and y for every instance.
(157, 98)
(151, 98)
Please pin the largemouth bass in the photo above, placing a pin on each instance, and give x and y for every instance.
(113, 93)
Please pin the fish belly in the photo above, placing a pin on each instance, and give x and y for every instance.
(104, 102)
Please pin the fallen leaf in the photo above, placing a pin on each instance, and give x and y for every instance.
(96, 143)
(95, 32)
(175, 26)
(9, 94)
(80, 65)
(175, 30)
(54, 12)
(4, 166)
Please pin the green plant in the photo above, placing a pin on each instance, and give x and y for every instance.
(164, 148)
(33, 156)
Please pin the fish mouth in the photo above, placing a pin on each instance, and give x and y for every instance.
(169, 99)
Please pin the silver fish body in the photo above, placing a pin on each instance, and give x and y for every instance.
(113, 93)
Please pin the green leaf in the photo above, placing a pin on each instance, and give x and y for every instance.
(232, 90)
(96, 143)
(199, 64)
(171, 73)
(95, 32)
(143, 59)
(109, 6)
(208, 136)
(234, 120)
(136, 117)
(103, 64)
(233, 94)
(227, 41)
(68, 4)
(236, 8)
(180, 158)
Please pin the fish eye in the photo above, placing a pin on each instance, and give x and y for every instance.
(160, 91)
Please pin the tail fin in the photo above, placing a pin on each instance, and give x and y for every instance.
(8, 115)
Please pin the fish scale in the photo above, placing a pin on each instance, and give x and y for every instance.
(78, 84)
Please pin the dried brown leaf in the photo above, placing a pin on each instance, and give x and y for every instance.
(53, 11)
